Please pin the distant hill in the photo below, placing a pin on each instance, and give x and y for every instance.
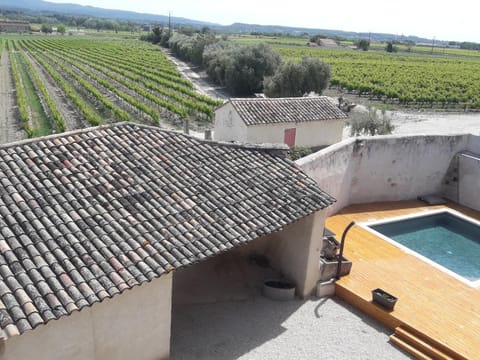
(46, 7)
(272, 29)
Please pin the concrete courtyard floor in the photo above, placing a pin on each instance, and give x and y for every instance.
(263, 329)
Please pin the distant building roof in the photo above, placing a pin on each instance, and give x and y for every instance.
(258, 111)
(87, 214)
(14, 22)
(328, 43)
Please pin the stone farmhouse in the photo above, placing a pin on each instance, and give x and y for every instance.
(301, 121)
(13, 26)
(96, 223)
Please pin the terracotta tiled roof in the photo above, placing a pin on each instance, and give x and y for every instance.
(259, 111)
(87, 214)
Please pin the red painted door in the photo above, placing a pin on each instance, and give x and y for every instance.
(289, 137)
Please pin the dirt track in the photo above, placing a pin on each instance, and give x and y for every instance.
(10, 129)
(199, 78)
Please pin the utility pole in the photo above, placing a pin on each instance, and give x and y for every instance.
(169, 23)
(433, 43)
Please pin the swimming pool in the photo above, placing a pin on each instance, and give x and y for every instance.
(444, 238)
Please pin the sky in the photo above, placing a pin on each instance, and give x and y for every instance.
(444, 20)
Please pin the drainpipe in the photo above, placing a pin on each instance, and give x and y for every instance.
(342, 245)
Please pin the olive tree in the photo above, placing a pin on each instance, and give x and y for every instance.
(362, 44)
(298, 79)
(370, 123)
(241, 69)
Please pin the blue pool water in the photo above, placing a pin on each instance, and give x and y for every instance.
(443, 238)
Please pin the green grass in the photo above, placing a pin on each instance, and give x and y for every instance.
(39, 122)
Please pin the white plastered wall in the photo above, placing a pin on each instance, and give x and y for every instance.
(131, 325)
(469, 181)
(310, 133)
(295, 251)
(384, 168)
(228, 125)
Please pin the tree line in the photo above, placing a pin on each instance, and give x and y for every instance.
(244, 69)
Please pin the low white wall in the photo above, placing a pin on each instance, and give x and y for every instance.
(132, 325)
(469, 181)
(332, 168)
(474, 144)
(384, 168)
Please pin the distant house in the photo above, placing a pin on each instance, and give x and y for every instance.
(96, 223)
(300, 121)
(328, 43)
(13, 26)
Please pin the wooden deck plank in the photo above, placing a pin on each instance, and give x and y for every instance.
(432, 302)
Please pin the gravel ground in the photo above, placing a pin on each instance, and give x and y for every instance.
(10, 129)
(265, 329)
(435, 123)
(428, 123)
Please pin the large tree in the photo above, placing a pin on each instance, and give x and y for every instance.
(298, 79)
(241, 69)
(363, 44)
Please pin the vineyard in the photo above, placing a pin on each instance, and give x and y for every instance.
(439, 81)
(66, 83)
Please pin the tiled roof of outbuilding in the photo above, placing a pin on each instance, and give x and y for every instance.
(260, 111)
(87, 214)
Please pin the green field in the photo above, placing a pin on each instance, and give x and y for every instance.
(449, 81)
(105, 79)
(446, 78)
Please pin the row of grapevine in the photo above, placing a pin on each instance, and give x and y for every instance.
(122, 63)
(143, 59)
(19, 90)
(133, 65)
(404, 78)
(109, 69)
(131, 78)
(150, 75)
(106, 80)
(106, 84)
(55, 115)
(128, 84)
(87, 111)
(119, 113)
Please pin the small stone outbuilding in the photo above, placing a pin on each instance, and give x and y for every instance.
(300, 121)
(94, 224)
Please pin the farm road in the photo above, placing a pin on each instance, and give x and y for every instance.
(10, 129)
(199, 79)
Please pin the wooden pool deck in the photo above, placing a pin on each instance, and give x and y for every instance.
(436, 316)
